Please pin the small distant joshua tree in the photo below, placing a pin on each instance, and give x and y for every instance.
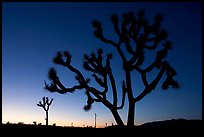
(45, 105)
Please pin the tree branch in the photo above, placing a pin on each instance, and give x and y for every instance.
(54, 88)
(124, 91)
(114, 19)
(112, 80)
(156, 43)
(152, 85)
(96, 93)
(143, 75)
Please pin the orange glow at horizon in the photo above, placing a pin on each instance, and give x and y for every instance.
(25, 117)
(58, 123)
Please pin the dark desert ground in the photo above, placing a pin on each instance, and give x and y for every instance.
(168, 127)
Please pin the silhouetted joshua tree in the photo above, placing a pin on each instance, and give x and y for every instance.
(137, 36)
(45, 105)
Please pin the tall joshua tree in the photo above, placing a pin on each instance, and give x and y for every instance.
(45, 105)
(137, 36)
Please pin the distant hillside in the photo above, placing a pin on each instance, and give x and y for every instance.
(174, 124)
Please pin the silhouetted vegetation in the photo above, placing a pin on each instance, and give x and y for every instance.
(45, 105)
(138, 37)
(170, 127)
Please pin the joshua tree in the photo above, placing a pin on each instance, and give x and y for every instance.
(45, 105)
(137, 36)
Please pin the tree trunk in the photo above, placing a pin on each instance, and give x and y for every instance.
(131, 114)
(131, 111)
(46, 118)
(117, 118)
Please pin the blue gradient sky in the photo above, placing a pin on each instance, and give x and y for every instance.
(32, 33)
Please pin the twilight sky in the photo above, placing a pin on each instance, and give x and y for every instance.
(32, 33)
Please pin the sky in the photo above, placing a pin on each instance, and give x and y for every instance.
(33, 32)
